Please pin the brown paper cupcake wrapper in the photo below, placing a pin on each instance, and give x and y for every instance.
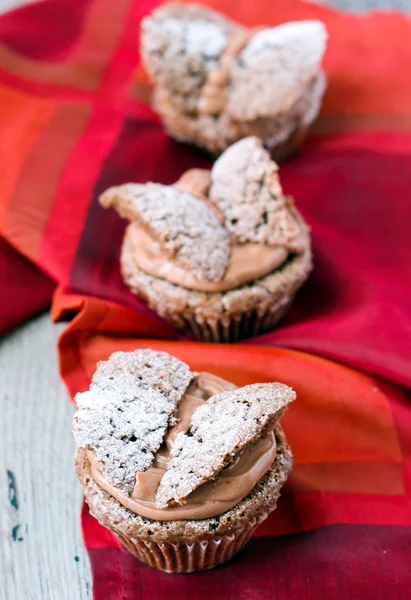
(289, 146)
(187, 558)
(249, 324)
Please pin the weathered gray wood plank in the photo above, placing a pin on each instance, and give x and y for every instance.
(364, 5)
(41, 552)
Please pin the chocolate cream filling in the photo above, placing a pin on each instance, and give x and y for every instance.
(247, 263)
(214, 93)
(212, 498)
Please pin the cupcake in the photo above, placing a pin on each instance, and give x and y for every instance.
(219, 254)
(180, 466)
(216, 81)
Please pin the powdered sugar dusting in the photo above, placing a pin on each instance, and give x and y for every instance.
(219, 430)
(275, 67)
(309, 36)
(205, 38)
(246, 189)
(186, 227)
(124, 416)
(180, 45)
(195, 37)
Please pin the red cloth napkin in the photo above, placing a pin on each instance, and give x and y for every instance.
(24, 289)
(73, 109)
(343, 523)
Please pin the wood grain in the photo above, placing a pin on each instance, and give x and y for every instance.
(41, 551)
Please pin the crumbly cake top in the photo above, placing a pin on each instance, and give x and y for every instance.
(274, 67)
(220, 429)
(246, 189)
(187, 229)
(182, 44)
(196, 221)
(130, 404)
(250, 509)
(132, 401)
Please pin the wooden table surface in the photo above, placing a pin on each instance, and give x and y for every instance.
(41, 551)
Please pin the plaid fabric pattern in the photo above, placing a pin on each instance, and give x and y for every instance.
(74, 119)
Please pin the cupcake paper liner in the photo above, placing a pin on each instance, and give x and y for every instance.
(190, 557)
(290, 145)
(199, 549)
(248, 324)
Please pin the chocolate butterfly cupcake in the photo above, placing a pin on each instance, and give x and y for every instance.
(181, 466)
(220, 254)
(217, 82)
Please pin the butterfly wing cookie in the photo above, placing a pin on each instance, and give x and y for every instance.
(185, 228)
(275, 68)
(124, 415)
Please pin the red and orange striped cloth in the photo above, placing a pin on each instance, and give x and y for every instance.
(74, 120)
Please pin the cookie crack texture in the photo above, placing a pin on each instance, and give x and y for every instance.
(246, 189)
(124, 416)
(186, 227)
(220, 429)
(180, 45)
